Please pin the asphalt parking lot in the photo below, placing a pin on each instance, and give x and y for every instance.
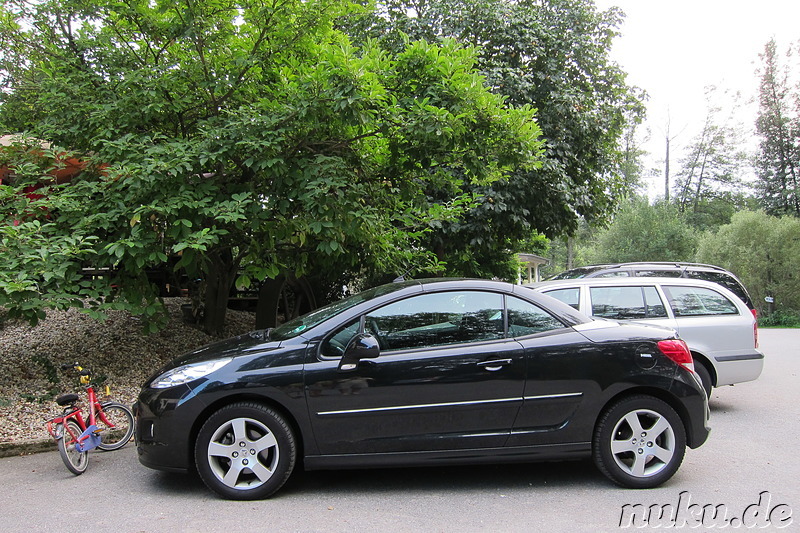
(745, 475)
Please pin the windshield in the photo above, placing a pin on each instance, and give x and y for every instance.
(296, 326)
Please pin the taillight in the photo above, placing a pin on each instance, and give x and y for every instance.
(755, 327)
(678, 351)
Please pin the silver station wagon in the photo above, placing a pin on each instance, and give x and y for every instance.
(719, 328)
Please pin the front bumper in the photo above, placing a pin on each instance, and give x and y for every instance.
(164, 436)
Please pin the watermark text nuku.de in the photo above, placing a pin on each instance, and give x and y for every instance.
(685, 514)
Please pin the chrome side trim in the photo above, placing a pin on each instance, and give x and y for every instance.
(746, 357)
(549, 396)
(417, 406)
(446, 404)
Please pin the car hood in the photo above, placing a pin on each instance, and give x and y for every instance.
(255, 343)
(235, 346)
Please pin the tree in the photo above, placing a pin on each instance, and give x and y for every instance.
(778, 126)
(713, 162)
(242, 141)
(644, 232)
(762, 251)
(554, 55)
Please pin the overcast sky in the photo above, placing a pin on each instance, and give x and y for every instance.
(674, 49)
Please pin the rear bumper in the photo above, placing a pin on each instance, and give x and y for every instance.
(693, 407)
(733, 369)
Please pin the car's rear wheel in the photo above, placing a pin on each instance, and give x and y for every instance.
(639, 442)
(245, 451)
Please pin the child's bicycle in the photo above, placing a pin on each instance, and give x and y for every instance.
(108, 427)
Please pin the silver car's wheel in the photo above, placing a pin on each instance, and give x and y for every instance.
(705, 377)
(640, 442)
(245, 451)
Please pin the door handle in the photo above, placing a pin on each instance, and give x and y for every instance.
(495, 364)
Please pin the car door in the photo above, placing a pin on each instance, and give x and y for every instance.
(446, 378)
(561, 377)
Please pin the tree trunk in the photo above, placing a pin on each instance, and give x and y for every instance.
(219, 279)
(570, 252)
(269, 295)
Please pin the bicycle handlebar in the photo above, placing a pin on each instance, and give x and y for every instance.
(76, 366)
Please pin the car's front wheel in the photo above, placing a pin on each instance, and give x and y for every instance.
(639, 442)
(245, 451)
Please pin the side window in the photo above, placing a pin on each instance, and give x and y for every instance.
(620, 303)
(525, 318)
(570, 297)
(437, 319)
(722, 279)
(655, 306)
(698, 301)
(334, 346)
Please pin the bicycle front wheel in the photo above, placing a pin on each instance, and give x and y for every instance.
(115, 422)
(76, 461)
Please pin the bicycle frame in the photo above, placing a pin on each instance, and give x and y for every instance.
(89, 438)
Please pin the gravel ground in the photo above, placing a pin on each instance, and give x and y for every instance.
(30, 357)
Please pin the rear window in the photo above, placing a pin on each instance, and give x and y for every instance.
(698, 301)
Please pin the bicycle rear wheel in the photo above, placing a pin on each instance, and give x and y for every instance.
(115, 423)
(75, 460)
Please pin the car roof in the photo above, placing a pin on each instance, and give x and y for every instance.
(594, 270)
(630, 281)
(663, 264)
(626, 280)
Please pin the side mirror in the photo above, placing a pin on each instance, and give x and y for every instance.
(362, 346)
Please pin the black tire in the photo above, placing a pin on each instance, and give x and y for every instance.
(75, 461)
(114, 438)
(245, 451)
(639, 442)
(705, 377)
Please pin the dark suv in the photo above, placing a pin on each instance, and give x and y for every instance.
(663, 270)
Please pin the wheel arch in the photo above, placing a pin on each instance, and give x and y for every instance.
(266, 401)
(661, 394)
(706, 362)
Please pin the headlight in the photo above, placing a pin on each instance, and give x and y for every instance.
(186, 373)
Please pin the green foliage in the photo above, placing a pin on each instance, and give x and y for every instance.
(553, 55)
(239, 142)
(778, 126)
(762, 251)
(718, 209)
(644, 232)
(780, 319)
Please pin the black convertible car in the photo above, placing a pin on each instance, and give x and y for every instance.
(420, 373)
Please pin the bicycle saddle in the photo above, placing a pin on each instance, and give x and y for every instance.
(67, 399)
